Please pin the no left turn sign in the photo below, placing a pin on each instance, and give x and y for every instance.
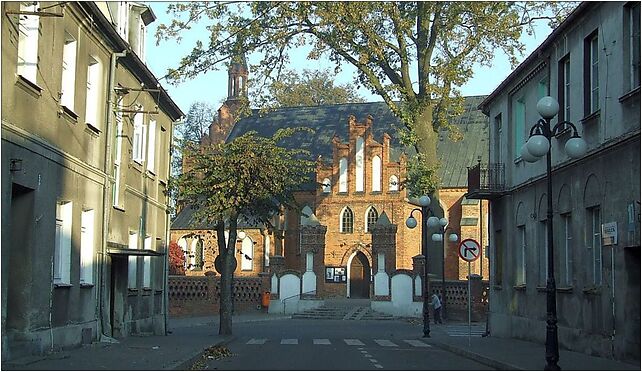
(469, 250)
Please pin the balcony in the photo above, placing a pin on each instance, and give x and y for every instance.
(486, 181)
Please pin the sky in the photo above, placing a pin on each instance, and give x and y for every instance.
(211, 87)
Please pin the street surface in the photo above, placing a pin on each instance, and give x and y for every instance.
(294, 344)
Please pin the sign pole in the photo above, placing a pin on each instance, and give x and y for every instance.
(469, 304)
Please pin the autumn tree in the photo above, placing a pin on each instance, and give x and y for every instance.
(310, 88)
(250, 177)
(176, 259)
(196, 124)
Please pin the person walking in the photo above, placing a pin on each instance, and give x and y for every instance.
(436, 305)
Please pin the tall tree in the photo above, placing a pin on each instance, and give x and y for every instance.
(310, 88)
(414, 55)
(250, 177)
(196, 124)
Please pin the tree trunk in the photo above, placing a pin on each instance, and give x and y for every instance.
(228, 265)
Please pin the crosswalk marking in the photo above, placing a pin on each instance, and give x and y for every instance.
(416, 343)
(462, 331)
(321, 341)
(353, 342)
(385, 343)
(289, 341)
(378, 365)
(257, 341)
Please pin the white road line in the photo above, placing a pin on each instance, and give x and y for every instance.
(378, 365)
(363, 351)
(256, 341)
(353, 342)
(367, 355)
(416, 343)
(289, 341)
(387, 343)
(321, 341)
(374, 361)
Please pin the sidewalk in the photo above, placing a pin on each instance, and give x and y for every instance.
(176, 351)
(513, 354)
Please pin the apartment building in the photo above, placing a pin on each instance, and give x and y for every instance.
(86, 132)
(591, 65)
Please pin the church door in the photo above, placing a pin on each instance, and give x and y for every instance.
(359, 277)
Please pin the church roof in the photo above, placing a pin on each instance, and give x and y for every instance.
(331, 120)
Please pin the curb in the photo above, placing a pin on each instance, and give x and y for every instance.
(185, 364)
(493, 363)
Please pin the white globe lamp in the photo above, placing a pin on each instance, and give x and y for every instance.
(527, 156)
(443, 222)
(538, 145)
(424, 201)
(575, 147)
(411, 222)
(241, 235)
(453, 237)
(436, 237)
(433, 221)
(547, 107)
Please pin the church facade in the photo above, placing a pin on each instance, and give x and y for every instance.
(358, 182)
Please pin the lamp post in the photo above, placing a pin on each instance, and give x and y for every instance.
(411, 222)
(538, 145)
(441, 223)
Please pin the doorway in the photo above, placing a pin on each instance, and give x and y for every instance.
(359, 276)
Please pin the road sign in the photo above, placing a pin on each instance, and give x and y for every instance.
(469, 250)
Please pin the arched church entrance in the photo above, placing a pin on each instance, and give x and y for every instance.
(359, 276)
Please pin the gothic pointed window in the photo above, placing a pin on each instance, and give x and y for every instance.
(371, 218)
(347, 221)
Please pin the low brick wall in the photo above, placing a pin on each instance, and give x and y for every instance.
(200, 295)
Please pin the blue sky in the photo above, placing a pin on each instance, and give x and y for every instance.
(212, 86)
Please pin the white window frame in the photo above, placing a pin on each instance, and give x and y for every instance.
(376, 174)
(118, 154)
(147, 264)
(595, 246)
(633, 34)
(343, 175)
(123, 20)
(62, 249)
(593, 73)
(519, 123)
(94, 87)
(151, 147)
(68, 84)
(138, 139)
(132, 264)
(341, 227)
(87, 246)
(28, 34)
(359, 164)
(567, 251)
(542, 254)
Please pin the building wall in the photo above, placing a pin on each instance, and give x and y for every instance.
(598, 317)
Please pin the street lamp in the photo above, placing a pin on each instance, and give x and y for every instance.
(538, 145)
(441, 223)
(411, 222)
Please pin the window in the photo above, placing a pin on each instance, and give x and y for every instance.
(343, 175)
(591, 74)
(564, 88)
(327, 186)
(132, 262)
(566, 265)
(371, 218)
(594, 245)
(151, 147)
(196, 254)
(147, 264)
(519, 119)
(359, 165)
(376, 174)
(632, 22)
(393, 183)
(87, 243)
(347, 221)
(138, 142)
(542, 253)
(94, 72)
(183, 244)
(247, 254)
(520, 256)
(118, 139)
(62, 248)
(122, 21)
(28, 31)
(68, 72)
(497, 147)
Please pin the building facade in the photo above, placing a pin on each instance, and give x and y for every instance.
(361, 168)
(591, 65)
(86, 130)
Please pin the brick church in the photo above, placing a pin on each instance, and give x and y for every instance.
(359, 175)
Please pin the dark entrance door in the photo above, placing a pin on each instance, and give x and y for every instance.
(359, 277)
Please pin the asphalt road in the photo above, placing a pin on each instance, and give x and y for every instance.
(293, 344)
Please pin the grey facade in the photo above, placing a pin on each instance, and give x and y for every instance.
(66, 242)
(598, 285)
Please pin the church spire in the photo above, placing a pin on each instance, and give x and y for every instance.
(237, 76)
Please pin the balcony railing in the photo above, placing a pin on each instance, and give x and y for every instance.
(486, 181)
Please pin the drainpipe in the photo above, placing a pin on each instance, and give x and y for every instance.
(100, 293)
